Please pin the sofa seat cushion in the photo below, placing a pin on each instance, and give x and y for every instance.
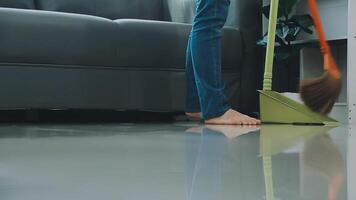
(148, 44)
(29, 36)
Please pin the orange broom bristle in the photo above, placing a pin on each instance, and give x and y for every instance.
(320, 94)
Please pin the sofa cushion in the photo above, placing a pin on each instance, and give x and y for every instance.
(130, 9)
(111, 9)
(42, 37)
(24, 4)
(145, 43)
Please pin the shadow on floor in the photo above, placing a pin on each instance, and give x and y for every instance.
(86, 116)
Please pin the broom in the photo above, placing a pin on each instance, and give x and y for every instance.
(320, 94)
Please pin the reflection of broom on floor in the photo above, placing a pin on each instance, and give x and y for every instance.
(320, 94)
(321, 155)
(275, 140)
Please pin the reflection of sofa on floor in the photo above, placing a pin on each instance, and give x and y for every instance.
(115, 54)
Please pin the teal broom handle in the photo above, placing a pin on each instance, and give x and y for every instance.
(267, 81)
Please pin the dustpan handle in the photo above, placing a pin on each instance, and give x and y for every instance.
(267, 81)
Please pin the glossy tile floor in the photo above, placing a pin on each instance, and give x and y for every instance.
(176, 162)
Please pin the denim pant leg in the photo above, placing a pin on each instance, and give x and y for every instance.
(205, 48)
(192, 103)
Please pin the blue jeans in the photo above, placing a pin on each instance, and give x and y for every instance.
(205, 86)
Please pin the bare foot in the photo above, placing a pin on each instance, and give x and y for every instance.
(196, 116)
(232, 117)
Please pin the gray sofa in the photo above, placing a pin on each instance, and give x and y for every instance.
(116, 54)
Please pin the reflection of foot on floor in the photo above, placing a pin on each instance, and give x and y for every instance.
(194, 116)
(198, 129)
(232, 117)
(231, 131)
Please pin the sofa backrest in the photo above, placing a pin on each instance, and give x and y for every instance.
(111, 9)
(243, 13)
(23, 4)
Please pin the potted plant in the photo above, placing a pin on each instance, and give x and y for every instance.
(289, 26)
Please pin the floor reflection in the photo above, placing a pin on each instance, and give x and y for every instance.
(322, 157)
(292, 162)
(175, 162)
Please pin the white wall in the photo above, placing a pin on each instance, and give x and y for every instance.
(334, 16)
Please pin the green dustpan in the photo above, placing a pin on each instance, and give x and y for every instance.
(275, 107)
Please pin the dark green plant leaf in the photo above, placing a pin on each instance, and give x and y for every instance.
(288, 28)
(283, 54)
(304, 22)
(263, 41)
(285, 7)
(286, 32)
(281, 42)
(283, 30)
(292, 34)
